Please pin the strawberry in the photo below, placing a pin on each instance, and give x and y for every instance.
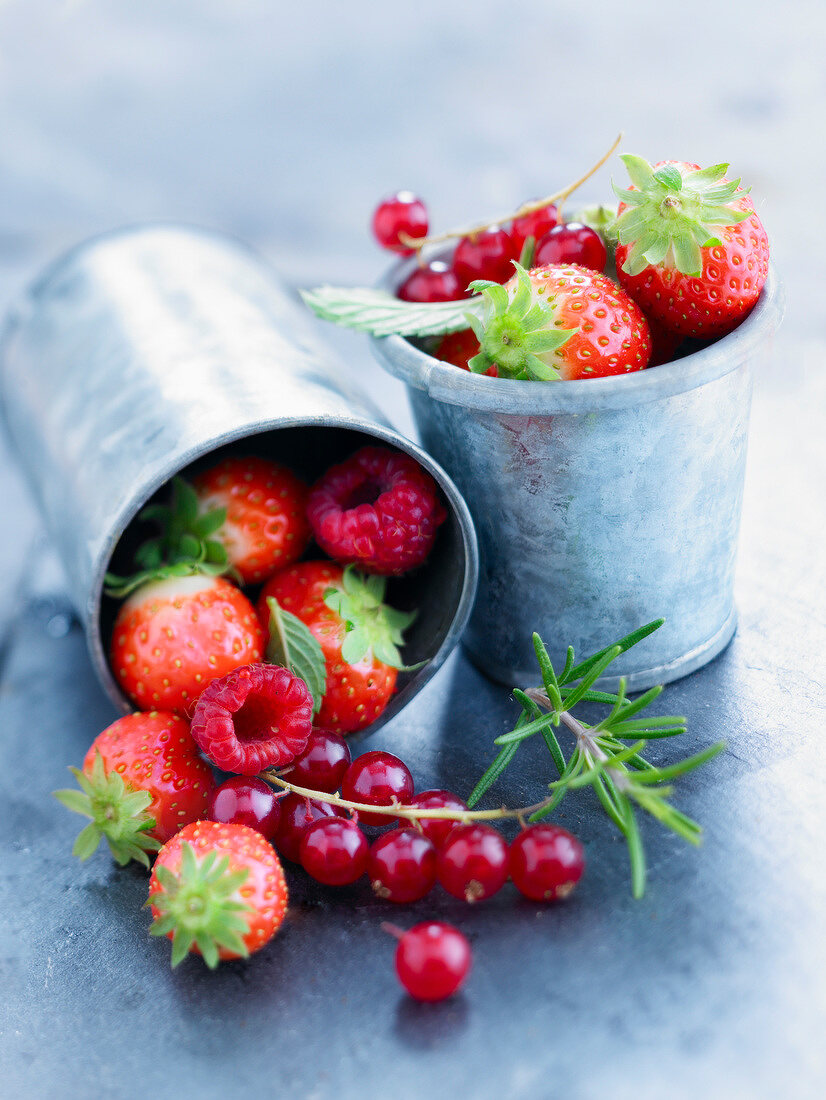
(218, 891)
(459, 348)
(175, 635)
(358, 634)
(265, 526)
(560, 321)
(692, 251)
(142, 781)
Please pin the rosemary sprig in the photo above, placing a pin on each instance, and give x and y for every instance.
(622, 779)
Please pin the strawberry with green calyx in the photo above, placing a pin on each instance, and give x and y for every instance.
(692, 251)
(218, 891)
(358, 633)
(142, 781)
(264, 505)
(560, 321)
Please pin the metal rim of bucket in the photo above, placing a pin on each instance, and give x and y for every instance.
(445, 382)
(132, 506)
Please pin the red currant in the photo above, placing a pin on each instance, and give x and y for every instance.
(572, 243)
(322, 765)
(437, 829)
(546, 862)
(297, 813)
(436, 282)
(473, 863)
(244, 800)
(486, 255)
(402, 865)
(534, 225)
(377, 778)
(334, 851)
(401, 213)
(432, 960)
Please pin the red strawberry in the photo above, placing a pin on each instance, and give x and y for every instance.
(459, 348)
(692, 251)
(265, 527)
(358, 635)
(217, 890)
(142, 781)
(172, 637)
(664, 343)
(379, 510)
(559, 321)
(256, 717)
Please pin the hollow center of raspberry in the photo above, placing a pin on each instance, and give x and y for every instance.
(368, 492)
(256, 720)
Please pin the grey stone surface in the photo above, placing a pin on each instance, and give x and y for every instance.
(284, 124)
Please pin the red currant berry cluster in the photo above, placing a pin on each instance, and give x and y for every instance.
(487, 254)
(469, 859)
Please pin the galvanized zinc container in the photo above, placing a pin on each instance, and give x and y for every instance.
(600, 504)
(159, 350)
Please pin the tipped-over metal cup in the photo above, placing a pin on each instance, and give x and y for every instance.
(159, 350)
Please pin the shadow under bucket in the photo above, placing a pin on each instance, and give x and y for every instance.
(601, 504)
(161, 350)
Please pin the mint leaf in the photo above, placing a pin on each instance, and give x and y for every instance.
(293, 646)
(383, 314)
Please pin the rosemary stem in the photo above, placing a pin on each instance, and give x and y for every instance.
(594, 750)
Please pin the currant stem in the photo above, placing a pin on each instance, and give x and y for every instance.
(418, 243)
(409, 813)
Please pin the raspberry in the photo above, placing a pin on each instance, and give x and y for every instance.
(379, 510)
(259, 716)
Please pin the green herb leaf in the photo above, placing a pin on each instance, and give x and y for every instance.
(382, 314)
(619, 774)
(292, 645)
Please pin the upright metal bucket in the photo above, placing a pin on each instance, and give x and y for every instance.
(159, 350)
(600, 504)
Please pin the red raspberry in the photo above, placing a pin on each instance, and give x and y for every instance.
(259, 716)
(378, 510)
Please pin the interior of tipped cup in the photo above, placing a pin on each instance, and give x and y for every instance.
(440, 591)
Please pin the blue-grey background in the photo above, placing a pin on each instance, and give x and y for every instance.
(283, 124)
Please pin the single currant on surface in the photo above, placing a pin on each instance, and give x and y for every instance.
(433, 959)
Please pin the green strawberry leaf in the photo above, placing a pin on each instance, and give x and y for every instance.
(293, 646)
(373, 628)
(199, 906)
(669, 216)
(119, 814)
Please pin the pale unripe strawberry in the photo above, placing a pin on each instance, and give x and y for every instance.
(692, 251)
